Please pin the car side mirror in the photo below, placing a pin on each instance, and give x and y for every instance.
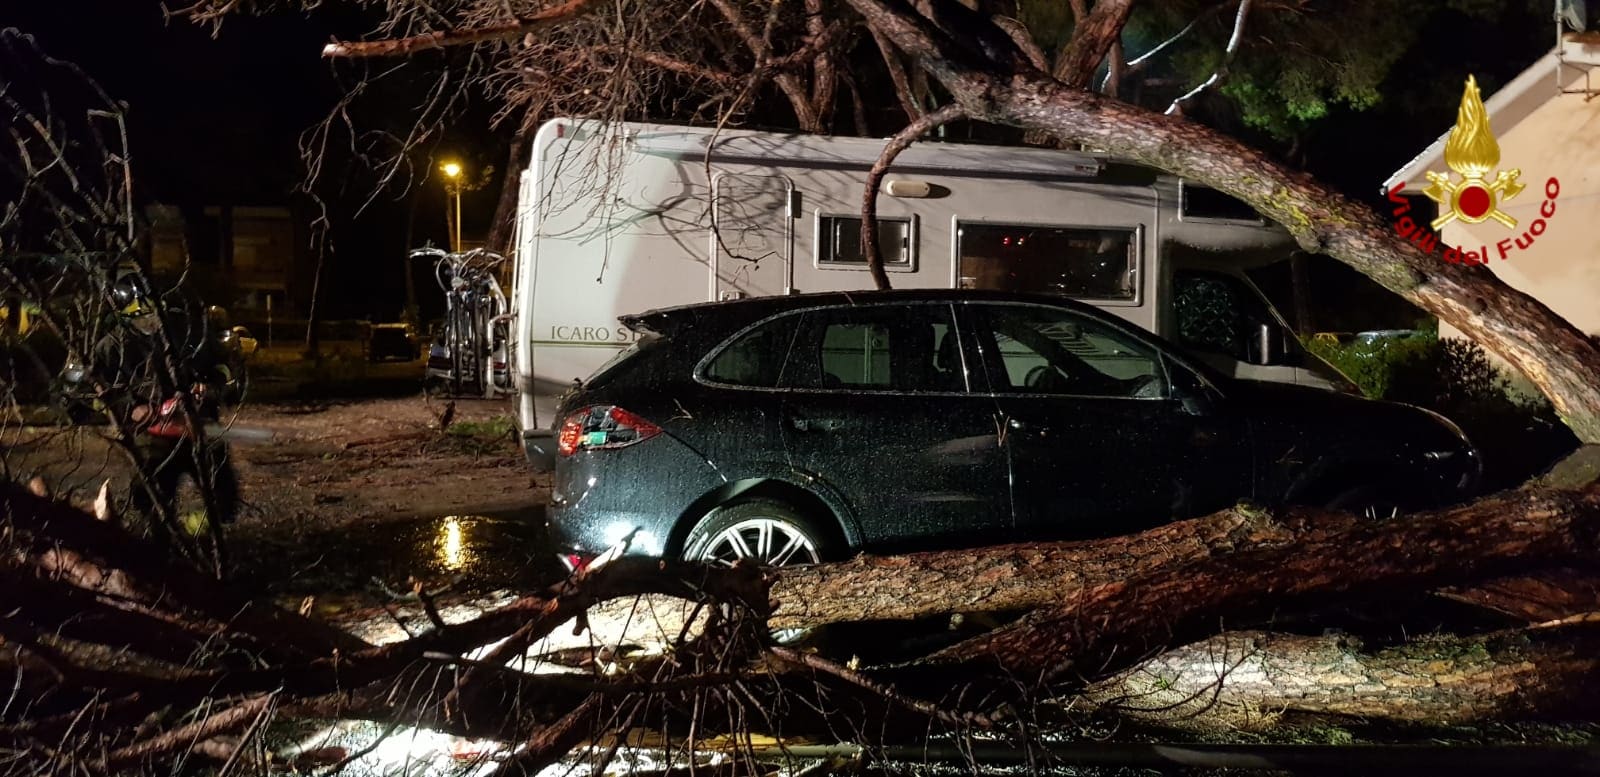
(1197, 403)
(1264, 349)
(1191, 392)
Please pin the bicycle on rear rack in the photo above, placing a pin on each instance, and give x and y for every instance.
(473, 361)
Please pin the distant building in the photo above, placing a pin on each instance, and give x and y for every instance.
(235, 256)
(1545, 120)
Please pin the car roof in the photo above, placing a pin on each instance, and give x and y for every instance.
(719, 319)
(665, 320)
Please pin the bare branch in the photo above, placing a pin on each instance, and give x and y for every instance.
(1091, 39)
(464, 37)
(1176, 108)
(1024, 40)
(897, 75)
(869, 199)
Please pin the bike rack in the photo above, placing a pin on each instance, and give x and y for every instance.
(475, 310)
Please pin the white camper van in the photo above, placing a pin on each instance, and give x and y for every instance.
(620, 218)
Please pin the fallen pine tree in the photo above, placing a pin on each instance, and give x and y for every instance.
(135, 661)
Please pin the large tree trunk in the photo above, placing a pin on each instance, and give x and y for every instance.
(1103, 626)
(504, 225)
(1026, 576)
(1126, 596)
(1248, 680)
(68, 639)
(997, 83)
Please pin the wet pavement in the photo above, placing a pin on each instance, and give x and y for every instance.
(465, 552)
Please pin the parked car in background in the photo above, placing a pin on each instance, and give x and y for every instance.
(393, 341)
(802, 428)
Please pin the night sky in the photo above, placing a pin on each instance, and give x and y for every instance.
(218, 121)
(197, 106)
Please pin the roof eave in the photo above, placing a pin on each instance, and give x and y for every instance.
(1507, 108)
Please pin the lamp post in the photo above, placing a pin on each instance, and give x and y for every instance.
(452, 184)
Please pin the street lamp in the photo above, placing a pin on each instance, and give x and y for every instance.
(452, 184)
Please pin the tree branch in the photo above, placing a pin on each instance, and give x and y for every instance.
(1091, 39)
(184, 737)
(1176, 108)
(1126, 619)
(1554, 355)
(897, 75)
(869, 199)
(399, 47)
(1024, 40)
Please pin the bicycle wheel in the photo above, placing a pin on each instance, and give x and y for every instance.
(457, 342)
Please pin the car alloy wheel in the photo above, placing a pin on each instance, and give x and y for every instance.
(767, 541)
(1369, 502)
(768, 531)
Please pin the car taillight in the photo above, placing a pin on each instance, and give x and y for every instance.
(601, 427)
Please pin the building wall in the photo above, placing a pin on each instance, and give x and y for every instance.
(1562, 267)
(232, 256)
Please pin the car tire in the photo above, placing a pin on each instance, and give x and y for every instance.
(769, 530)
(1367, 501)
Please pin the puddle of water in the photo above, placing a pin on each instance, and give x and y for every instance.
(453, 553)
(467, 553)
(473, 548)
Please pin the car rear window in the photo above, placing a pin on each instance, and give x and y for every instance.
(634, 349)
(756, 357)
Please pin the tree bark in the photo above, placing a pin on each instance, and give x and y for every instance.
(1546, 595)
(1248, 680)
(869, 200)
(503, 227)
(1025, 576)
(1002, 87)
(1091, 39)
(1142, 591)
(1100, 627)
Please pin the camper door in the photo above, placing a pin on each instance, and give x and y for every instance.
(752, 236)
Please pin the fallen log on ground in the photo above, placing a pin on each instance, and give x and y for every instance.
(1249, 680)
(1026, 576)
(466, 677)
(1498, 535)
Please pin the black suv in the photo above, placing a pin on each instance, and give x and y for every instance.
(801, 428)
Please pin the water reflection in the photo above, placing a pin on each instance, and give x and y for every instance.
(453, 551)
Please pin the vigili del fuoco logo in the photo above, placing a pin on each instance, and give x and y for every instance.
(1472, 153)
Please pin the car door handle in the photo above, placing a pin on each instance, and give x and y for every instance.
(1018, 425)
(816, 424)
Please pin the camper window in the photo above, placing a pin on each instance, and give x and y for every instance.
(1201, 203)
(1082, 263)
(839, 242)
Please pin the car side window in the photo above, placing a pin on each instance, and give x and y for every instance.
(1044, 350)
(900, 348)
(755, 358)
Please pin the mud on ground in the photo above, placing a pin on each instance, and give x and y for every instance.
(348, 496)
(346, 493)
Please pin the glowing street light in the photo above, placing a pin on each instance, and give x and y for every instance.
(452, 173)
